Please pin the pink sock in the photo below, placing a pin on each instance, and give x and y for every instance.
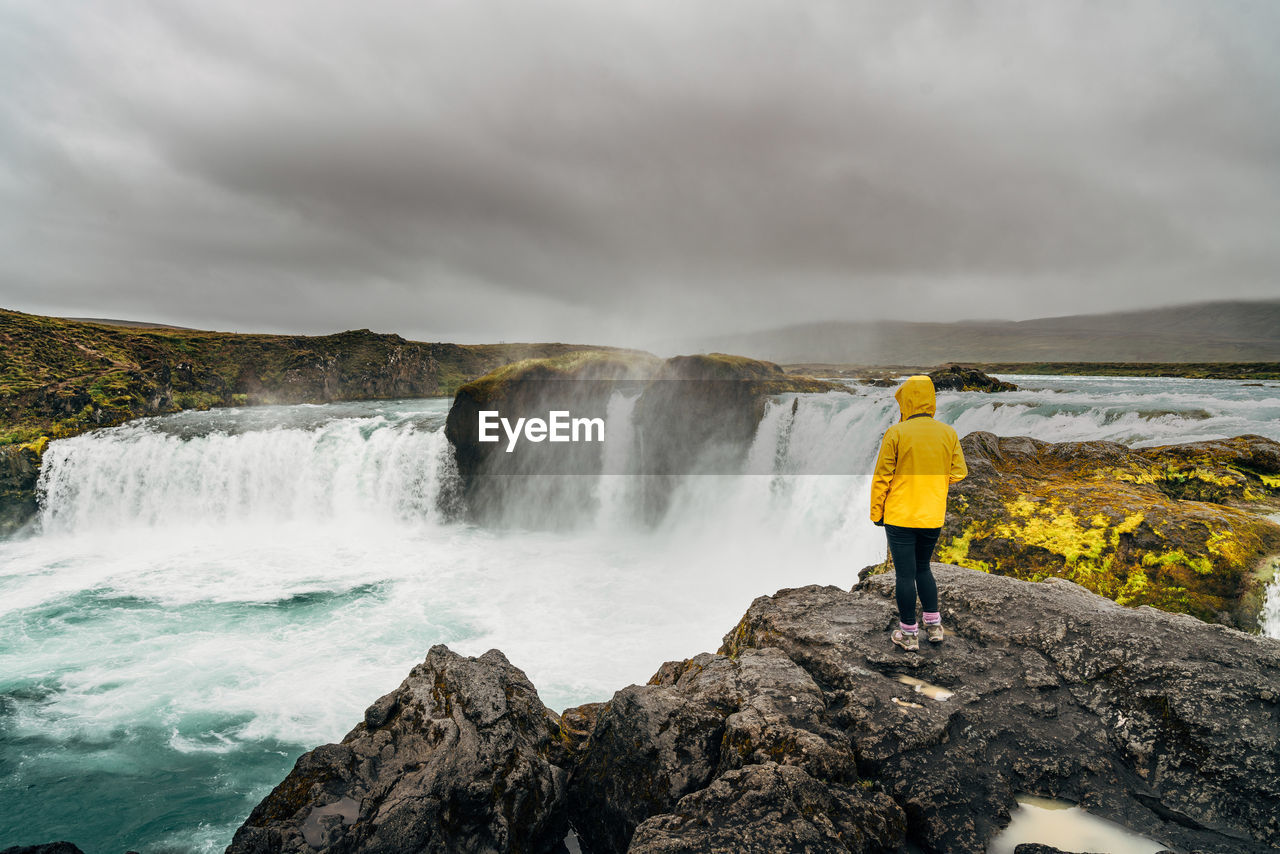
(932, 618)
(910, 629)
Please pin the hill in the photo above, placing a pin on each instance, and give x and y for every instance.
(1207, 332)
(60, 377)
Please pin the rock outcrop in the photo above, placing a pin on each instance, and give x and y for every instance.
(19, 471)
(808, 731)
(693, 413)
(457, 759)
(961, 378)
(1177, 527)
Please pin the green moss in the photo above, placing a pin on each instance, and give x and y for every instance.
(956, 550)
(37, 447)
(1177, 557)
(580, 364)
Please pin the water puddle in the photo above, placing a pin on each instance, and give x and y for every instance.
(933, 692)
(346, 810)
(1067, 826)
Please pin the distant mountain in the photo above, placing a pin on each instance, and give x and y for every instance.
(1207, 332)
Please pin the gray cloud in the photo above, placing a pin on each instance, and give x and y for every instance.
(633, 171)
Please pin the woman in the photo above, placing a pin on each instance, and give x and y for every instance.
(919, 459)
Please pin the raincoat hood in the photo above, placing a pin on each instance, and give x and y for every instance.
(916, 397)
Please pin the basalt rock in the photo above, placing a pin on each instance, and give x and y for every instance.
(693, 414)
(457, 759)
(1177, 527)
(808, 731)
(658, 749)
(19, 471)
(961, 378)
(1157, 721)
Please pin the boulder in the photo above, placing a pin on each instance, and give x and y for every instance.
(457, 759)
(961, 378)
(1177, 527)
(693, 413)
(704, 720)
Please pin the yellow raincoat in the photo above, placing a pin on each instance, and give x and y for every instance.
(919, 459)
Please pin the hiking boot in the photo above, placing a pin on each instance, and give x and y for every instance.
(910, 641)
(933, 631)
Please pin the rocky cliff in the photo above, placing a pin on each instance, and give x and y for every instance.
(807, 731)
(59, 378)
(1178, 527)
(691, 413)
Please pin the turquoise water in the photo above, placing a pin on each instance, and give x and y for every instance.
(209, 595)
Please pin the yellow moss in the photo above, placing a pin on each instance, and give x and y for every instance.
(37, 447)
(1270, 481)
(1132, 477)
(1136, 588)
(1225, 546)
(1059, 532)
(1128, 526)
(1177, 557)
(1210, 477)
(956, 551)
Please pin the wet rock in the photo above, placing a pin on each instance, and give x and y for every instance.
(692, 413)
(763, 809)
(47, 848)
(1160, 722)
(802, 734)
(19, 471)
(960, 378)
(455, 759)
(1177, 527)
(700, 721)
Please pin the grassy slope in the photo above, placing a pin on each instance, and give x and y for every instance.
(61, 377)
(1193, 370)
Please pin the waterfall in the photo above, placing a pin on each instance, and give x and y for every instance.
(137, 476)
(613, 492)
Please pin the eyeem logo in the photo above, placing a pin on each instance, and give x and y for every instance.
(559, 427)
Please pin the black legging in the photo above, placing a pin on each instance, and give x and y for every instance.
(912, 549)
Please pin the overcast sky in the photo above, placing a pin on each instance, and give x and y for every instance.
(611, 171)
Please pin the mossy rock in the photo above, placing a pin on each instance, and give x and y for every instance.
(1176, 527)
(685, 404)
(966, 378)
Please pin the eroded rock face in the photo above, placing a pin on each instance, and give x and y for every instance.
(693, 742)
(1154, 720)
(454, 760)
(763, 809)
(691, 413)
(1176, 527)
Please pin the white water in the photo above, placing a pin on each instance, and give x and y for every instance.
(209, 594)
